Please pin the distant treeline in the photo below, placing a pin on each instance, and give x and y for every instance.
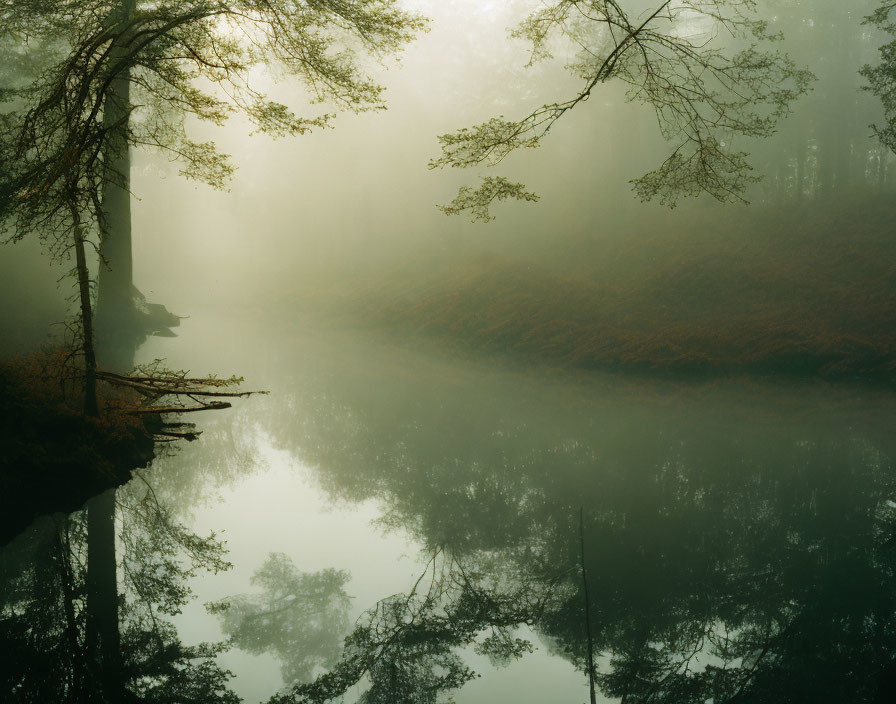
(827, 144)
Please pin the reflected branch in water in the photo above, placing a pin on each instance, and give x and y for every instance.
(299, 618)
(45, 602)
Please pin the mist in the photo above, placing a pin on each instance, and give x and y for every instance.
(618, 430)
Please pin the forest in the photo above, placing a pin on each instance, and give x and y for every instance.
(395, 351)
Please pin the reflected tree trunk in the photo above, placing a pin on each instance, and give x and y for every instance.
(587, 606)
(103, 640)
(76, 691)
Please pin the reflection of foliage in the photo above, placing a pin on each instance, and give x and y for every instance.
(198, 59)
(298, 617)
(165, 670)
(406, 646)
(43, 610)
(730, 547)
(159, 557)
(153, 557)
(41, 628)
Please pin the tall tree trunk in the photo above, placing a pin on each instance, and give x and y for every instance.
(103, 639)
(90, 403)
(116, 324)
(840, 36)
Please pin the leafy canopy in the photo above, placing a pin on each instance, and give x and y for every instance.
(192, 58)
(882, 77)
(707, 68)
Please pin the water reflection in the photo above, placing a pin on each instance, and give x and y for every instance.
(55, 639)
(738, 544)
(739, 547)
(301, 618)
(56, 649)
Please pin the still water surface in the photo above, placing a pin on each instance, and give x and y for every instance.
(738, 538)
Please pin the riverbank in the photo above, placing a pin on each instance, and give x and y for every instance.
(54, 457)
(812, 295)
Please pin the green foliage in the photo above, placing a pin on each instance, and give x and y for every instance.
(706, 93)
(882, 77)
(195, 59)
(478, 200)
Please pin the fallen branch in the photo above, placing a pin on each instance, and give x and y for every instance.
(189, 437)
(214, 406)
(175, 386)
(187, 395)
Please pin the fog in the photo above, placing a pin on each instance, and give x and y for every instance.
(696, 400)
(302, 213)
(361, 194)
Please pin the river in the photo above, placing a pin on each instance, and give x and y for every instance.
(732, 538)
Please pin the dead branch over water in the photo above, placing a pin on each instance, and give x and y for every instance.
(163, 391)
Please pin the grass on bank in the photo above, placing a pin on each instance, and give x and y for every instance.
(804, 289)
(54, 456)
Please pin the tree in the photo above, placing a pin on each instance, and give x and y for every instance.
(128, 74)
(882, 77)
(44, 621)
(707, 68)
(121, 74)
(824, 147)
(299, 617)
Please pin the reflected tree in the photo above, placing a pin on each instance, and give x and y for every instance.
(45, 610)
(740, 552)
(298, 617)
(407, 648)
(41, 616)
